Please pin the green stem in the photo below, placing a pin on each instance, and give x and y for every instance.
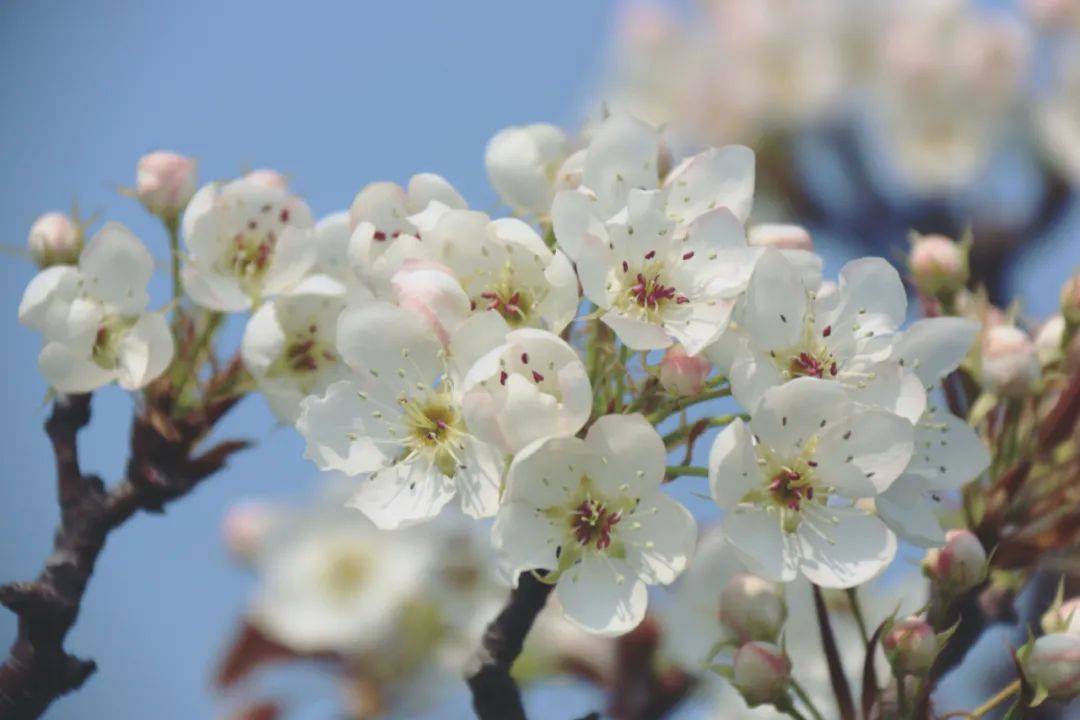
(187, 370)
(674, 471)
(172, 226)
(901, 695)
(789, 709)
(683, 403)
(801, 694)
(679, 434)
(856, 610)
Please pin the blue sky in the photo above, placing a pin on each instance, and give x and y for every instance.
(335, 95)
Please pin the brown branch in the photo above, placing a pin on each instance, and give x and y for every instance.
(162, 467)
(495, 694)
(836, 668)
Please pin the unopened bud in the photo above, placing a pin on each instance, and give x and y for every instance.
(761, 672)
(937, 264)
(911, 646)
(268, 178)
(1063, 617)
(781, 237)
(1048, 340)
(164, 182)
(1053, 664)
(55, 240)
(246, 526)
(960, 565)
(1010, 363)
(682, 374)
(1070, 300)
(752, 608)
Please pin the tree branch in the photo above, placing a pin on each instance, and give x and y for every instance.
(162, 468)
(495, 694)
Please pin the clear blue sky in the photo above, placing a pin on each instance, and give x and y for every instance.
(334, 94)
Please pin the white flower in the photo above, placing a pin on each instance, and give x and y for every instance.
(399, 419)
(948, 452)
(844, 336)
(522, 163)
(530, 387)
(387, 220)
(329, 580)
(94, 317)
(591, 511)
(246, 241)
(331, 239)
(654, 287)
(430, 290)
(504, 265)
(807, 448)
(290, 344)
(624, 156)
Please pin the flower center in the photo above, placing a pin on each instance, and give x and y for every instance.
(434, 424)
(345, 572)
(810, 358)
(106, 350)
(789, 488)
(506, 296)
(592, 523)
(305, 353)
(646, 290)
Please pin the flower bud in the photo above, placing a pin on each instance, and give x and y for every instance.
(1048, 340)
(681, 374)
(245, 526)
(1010, 362)
(911, 646)
(937, 264)
(164, 182)
(1063, 617)
(1053, 664)
(521, 164)
(960, 565)
(55, 240)
(752, 608)
(761, 672)
(1070, 300)
(267, 178)
(781, 237)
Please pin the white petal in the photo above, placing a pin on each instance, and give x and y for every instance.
(871, 286)
(622, 156)
(733, 467)
(891, 387)
(145, 351)
(660, 534)
(517, 166)
(934, 347)
(425, 188)
(473, 339)
(525, 537)
(379, 339)
(264, 339)
(791, 414)
(637, 334)
(626, 450)
(574, 220)
(294, 255)
(755, 535)
(561, 302)
(718, 177)
(698, 323)
(57, 285)
(751, 373)
(863, 454)
(213, 290)
(67, 372)
(479, 479)
(843, 547)
(948, 452)
(402, 495)
(774, 319)
(911, 511)
(116, 269)
(342, 433)
(602, 596)
(545, 473)
(722, 259)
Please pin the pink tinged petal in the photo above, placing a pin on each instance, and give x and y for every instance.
(934, 347)
(719, 177)
(433, 294)
(757, 538)
(602, 596)
(402, 495)
(660, 534)
(843, 546)
(863, 454)
(948, 452)
(774, 320)
(625, 450)
(910, 510)
(733, 466)
(525, 538)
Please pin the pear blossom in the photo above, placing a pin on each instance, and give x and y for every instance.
(1009, 361)
(532, 386)
(386, 222)
(94, 317)
(682, 374)
(843, 336)
(522, 163)
(290, 344)
(165, 182)
(911, 645)
(948, 452)
(958, 566)
(246, 241)
(937, 264)
(504, 265)
(1052, 664)
(331, 238)
(398, 420)
(54, 240)
(430, 290)
(761, 671)
(784, 478)
(590, 511)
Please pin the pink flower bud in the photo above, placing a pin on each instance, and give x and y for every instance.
(761, 672)
(1070, 300)
(1054, 664)
(1010, 362)
(681, 374)
(1063, 618)
(245, 527)
(1049, 339)
(911, 646)
(938, 264)
(960, 565)
(268, 178)
(430, 290)
(752, 608)
(54, 240)
(164, 182)
(781, 237)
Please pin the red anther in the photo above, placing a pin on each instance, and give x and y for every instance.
(525, 358)
(537, 377)
(827, 331)
(284, 215)
(812, 463)
(379, 235)
(687, 255)
(502, 377)
(832, 369)
(625, 266)
(650, 255)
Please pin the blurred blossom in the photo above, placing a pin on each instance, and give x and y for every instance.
(682, 374)
(522, 164)
(937, 264)
(268, 178)
(246, 525)
(54, 240)
(1048, 340)
(781, 237)
(1009, 361)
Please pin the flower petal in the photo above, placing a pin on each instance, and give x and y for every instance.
(757, 538)
(733, 467)
(843, 548)
(402, 495)
(660, 534)
(625, 450)
(861, 455)
(602, 596)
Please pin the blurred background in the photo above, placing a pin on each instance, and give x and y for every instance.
(869, 119)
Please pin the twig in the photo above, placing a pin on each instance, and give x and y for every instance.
(832, 655)
(495, 694)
